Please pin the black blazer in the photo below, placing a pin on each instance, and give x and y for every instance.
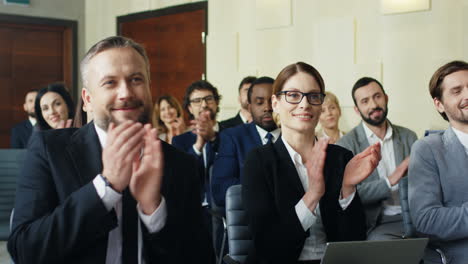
(231, 122)
(20, 134)
(59, 217)
(272, 188)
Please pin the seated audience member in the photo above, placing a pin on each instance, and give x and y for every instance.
(110, 191)
(236, 142)
(243, 116)
(54, 107)
(21, 132)
(168, 118)
(380, 192)
(201, 101)
(300, 193)
(329, 119)
(438, 169)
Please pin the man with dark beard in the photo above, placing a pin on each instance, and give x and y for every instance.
(21, 132)
(380, 191)
(110, 191)
(236, 142)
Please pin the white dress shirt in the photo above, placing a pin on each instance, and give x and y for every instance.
(112, 199)
(32, 120)
(244, 120)
(386, 166)
(463, 137)
(314, 245)
(263, 134)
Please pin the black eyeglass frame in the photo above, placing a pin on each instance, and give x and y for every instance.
(307, 95)
(208, 99)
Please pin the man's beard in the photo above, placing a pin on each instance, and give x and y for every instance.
(457, 114)
(245, 105)
(32, 114)
(143, 118)
(377, 122)
(270, 126)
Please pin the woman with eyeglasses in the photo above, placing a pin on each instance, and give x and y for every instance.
(300, 192)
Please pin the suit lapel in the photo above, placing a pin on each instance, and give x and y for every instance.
(86, 153)
(397, 146)
(455, 149)
(286, 166)
(253, 133)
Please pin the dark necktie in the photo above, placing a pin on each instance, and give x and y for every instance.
(269, 138)
(129, 229)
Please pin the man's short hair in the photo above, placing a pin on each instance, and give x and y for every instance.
(435, 84)
(200, 85)
(246, 80)
(363, 82)
(110, 43)
(32, 90)
(261, 80)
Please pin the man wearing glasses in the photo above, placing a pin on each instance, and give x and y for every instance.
(380, 191)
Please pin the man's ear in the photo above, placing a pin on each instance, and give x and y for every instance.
(87, 98)
(356, 110)
(439, 105)
(24, 107)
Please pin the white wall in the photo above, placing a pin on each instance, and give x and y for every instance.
(58, 9)
(344, 39)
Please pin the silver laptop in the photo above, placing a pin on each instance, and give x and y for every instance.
(401, 251)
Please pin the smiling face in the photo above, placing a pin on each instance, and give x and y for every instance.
(454, 101)
(167, 112)
(118, 87)
(207, 104)
(302, 117)
(371, 104)
(330, 114)
(53, 109)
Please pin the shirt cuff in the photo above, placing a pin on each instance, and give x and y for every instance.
(345, 202)
(156, 221)
(306, 217)
(388, 182)
(108, 196)
(196, 150)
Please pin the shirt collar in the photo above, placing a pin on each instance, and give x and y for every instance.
(244, 120)
(371, 135)
(216, 127)
(296, 158)
(463, 137)
(32, 120)
(102, 135)
(262, 132)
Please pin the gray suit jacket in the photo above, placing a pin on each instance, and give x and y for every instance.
(438, 193)
(374, 190)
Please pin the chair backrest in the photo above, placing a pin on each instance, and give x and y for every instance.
(240, 239)
(11, 161)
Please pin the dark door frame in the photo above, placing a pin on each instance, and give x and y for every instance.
(70, 24)
(166, 11)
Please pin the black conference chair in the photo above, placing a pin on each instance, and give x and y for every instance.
(239, 236)
(11, 161)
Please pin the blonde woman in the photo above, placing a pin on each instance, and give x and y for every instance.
(329, 119)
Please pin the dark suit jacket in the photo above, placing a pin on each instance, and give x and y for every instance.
(272, 188)
(60, 218)
(235, 144)
(232, 122)
(20, 134)
(185, 143)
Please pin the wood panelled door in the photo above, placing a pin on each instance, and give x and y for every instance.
(173, 40)
(31, 56)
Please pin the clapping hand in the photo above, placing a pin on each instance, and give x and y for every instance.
(360, 167)
(315, 164)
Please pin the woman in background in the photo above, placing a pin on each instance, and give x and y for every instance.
(54, 107)
(329, 119)
(168, 118)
